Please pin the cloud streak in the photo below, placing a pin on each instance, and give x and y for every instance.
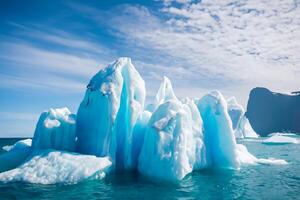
(230, 45)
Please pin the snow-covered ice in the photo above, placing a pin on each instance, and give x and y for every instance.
(280, 139)
(49, 167)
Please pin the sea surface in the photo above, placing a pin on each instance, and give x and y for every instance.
(250, 182)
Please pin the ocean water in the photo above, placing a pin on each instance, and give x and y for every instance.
(250, 182)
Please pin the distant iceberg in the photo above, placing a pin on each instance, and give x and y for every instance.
(240, 124)
(112, 131)
(280, 139)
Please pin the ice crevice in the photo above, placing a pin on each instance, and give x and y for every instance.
(113, 131)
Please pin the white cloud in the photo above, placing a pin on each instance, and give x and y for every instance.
(35, 57)
(228, 45)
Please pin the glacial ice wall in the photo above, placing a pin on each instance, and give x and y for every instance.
(107, 115)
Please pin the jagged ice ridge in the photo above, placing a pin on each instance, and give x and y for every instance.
(112, 131)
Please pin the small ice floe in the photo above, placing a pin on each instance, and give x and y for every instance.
(280, 139)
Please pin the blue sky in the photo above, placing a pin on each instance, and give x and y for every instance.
(50, 49)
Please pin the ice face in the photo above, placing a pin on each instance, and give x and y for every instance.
(138, 136)
(107, 115)
(49, 167)
(55, 130)
(218, 133)
(172, 140)
(173, 143)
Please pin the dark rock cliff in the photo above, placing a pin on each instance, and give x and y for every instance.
(270, 112)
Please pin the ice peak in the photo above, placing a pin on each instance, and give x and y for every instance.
(165, 92)
(110, 74)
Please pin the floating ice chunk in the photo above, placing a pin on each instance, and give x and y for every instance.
(16, 155)
(271, 161)
(218, 133)
(18, 145)
(280, 139)
(284, 134)
(108, 113)
(50, 167)
(55, 130)
(235, 111)
(244, 129)
(244, 157)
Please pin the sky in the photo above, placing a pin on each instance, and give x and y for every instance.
(50, 49)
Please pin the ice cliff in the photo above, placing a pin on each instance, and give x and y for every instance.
(113, 102)
(112, 131)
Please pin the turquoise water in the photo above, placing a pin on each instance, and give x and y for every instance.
(251, 182)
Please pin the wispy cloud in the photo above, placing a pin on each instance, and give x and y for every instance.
(229, 45)
(30, 60)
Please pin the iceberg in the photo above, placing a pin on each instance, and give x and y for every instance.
(280, 139)
(244, 129)
(15, 155)
(240, 123)
(113, 131)
(235, 111)
(19, 145)
(113, 102)
(55, 130)
(50, 167)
